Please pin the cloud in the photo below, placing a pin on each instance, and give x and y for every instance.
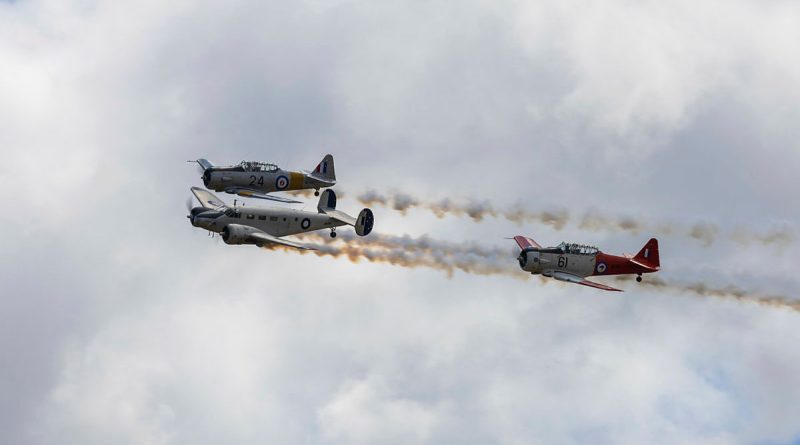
(124, 324)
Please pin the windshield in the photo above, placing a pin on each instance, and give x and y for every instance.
(252, 166)
(210, 214)
(580, 249)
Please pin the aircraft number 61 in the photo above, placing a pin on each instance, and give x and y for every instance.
(562, 261)
(253, 180)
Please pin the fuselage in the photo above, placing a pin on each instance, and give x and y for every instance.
(588, 262)
(273, 220)
(269, 179)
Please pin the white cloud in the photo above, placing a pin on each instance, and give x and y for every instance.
(126, 325)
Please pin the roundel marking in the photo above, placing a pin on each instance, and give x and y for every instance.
(214, 202)
(305, 223)
(281, 182)
(601, 267)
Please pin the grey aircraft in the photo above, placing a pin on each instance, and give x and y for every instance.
(257, 179)
(266, 225)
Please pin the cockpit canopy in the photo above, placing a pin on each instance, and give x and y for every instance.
(580, 249)
(253, 166)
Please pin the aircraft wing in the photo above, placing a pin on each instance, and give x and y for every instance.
(264, 237)
(570, 278)
(524, 242)
(249, 193)
(207, 199)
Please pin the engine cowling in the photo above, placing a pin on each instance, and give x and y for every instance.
(529, 259)
(216, 180)
(237, 234)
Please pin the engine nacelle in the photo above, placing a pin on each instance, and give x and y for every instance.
(529, 260)
(216, 180)
(237, 234)
(364, 222)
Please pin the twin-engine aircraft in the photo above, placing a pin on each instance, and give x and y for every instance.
(574, 262)
(257, 179)
(266, 225)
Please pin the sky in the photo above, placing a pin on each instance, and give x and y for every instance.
(122, 323)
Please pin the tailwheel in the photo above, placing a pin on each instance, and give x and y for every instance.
(333, 233)
(639, 278)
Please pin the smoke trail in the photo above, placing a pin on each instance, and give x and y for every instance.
(300, 193)
(406, 251)
(780, 235)
(448, 257)
(705, 232)
(729, 292)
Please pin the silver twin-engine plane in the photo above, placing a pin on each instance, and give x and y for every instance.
(257, 179)
(266, 225)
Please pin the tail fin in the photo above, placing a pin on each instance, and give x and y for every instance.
(327, 201)
(649, 254)
(325, 168)
(364, 222)
(205, 163)
(207, 199)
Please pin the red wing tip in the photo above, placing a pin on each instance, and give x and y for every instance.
(525, 242)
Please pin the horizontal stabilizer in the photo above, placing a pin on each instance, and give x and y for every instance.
(646, 266)
(341, 216)
(327, 181)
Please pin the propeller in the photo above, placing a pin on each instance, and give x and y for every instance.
(200, 170)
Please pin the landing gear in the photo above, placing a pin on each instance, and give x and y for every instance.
(316, 192)
(333, 233)
(639, 278)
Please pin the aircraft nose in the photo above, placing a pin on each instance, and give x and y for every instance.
(193, 215)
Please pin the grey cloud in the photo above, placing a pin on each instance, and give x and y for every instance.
(175, 339)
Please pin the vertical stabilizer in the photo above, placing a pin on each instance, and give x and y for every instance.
(649, 254)
(327, 201)
(325, 169)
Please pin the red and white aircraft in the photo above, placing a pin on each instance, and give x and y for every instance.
(574, 262)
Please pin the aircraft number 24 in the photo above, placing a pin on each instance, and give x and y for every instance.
(254, 182)
(562, 261)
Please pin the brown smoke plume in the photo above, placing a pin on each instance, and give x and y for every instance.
(729, 292)
(780, 235)
(705, 232)
(405, 251)
(300, 193)
(449, 257)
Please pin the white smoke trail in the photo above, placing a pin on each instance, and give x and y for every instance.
(449, 257)
(705, 232)
(729, 292)
(406, 251)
